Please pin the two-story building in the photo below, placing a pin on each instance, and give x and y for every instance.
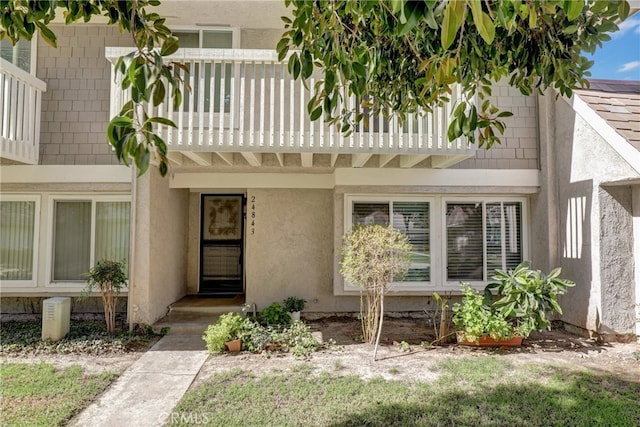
(258, 196)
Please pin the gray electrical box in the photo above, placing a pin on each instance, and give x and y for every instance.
(55, 318)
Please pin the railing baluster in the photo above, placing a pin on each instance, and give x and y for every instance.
(301, 110)
(243, 77)
(252, 106)
(262, 102)
(212, 102)
(221, 105)
(272, 103)
(201, 92)
(283, 71)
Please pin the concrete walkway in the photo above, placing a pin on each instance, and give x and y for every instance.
(146, 393)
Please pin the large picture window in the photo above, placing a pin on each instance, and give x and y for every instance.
(482, 237)
(86, 231)
(18, 239)
(454, 239)
(410, 216)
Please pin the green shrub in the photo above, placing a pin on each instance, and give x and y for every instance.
(474, 318)
(292, 304)
(275, 314)
(525, 296)
(228, 327)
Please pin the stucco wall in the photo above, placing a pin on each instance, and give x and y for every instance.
(594, 233)
(159, 262)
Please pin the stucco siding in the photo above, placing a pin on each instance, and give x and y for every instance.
(159, 261)
(594, 244)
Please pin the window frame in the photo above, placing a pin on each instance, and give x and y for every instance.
(33, 53)
(524, 232)
(94, 199)
(33, 282)
(390, 199)
(438, 238)
(235, 73)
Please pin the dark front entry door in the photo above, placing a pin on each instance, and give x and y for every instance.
(221, 244)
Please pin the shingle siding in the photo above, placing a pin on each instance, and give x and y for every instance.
(519, 147)
(75, 108)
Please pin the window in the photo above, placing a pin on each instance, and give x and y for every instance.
(482, 237)
(18, 237)
(454, 239)
(412, 216)
(225, 38)
(86, 231)
(21, 54)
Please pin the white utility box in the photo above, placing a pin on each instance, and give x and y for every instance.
(55, 318)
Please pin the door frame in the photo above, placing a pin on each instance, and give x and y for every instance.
(239, 243)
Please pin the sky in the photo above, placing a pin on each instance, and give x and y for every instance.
(619, 58)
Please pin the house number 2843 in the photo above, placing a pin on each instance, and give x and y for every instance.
(252, 216)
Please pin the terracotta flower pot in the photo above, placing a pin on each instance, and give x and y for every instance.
(515, 341)
(234, 346)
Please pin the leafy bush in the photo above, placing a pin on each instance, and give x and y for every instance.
(475, 319)
(228, 327)
(293, 304)
(109, 277)
(526, 296)
(275, 314)
(299, 339)
(523, 299)
(372, 257)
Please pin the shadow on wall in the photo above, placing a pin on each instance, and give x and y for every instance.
(575, 251)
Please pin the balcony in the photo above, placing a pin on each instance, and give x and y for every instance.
(20, 108)
(244, 101)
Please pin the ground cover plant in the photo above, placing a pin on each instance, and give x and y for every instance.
(469, 391)
(85, 336)
(40, 395)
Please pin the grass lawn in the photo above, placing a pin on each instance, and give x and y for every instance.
(469, 391)
(40, 395)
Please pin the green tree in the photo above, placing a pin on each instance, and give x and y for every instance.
(145, 71)
(405, 55)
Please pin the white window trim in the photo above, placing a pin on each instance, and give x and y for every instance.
(33, 282)
(73, 286)
(438, 243)
(524, 222)
(395, 287)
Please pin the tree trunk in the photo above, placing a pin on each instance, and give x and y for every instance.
(375, 349)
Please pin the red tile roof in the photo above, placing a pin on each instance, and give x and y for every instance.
(618, 102)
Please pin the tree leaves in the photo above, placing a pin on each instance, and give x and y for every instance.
(408, 55)
(144, 72)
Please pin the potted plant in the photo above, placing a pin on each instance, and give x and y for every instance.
(294, 306)
(226, 332)
(478, 323)
(522, 299)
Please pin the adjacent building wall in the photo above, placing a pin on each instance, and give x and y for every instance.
(594, 221)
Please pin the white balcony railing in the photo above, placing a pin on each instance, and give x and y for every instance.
(20, 108)
(251, 103)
